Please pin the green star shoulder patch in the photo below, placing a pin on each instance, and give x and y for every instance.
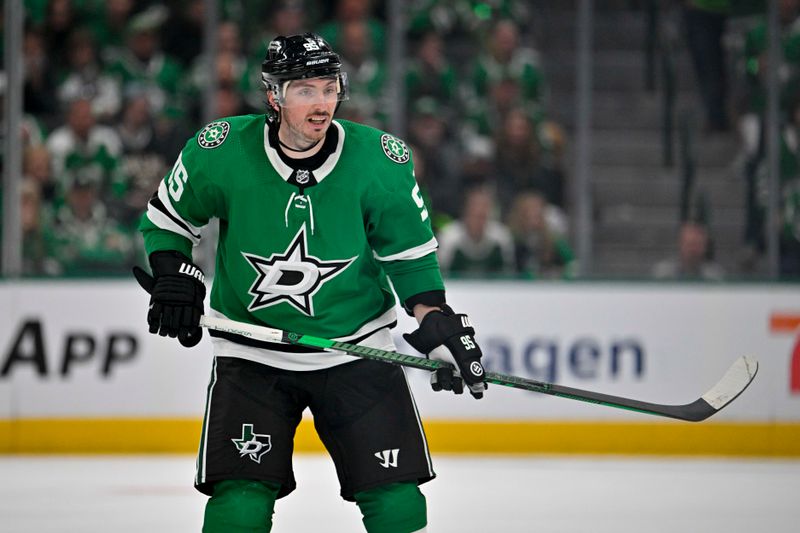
(395, 149)
(213, 134)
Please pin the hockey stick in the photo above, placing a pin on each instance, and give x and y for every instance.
(732, 384)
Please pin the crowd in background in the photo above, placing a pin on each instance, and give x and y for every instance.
(728, 44)
(750, 126)
(113, 89)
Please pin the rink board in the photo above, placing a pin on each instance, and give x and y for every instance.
(124, 436)
(79, 372)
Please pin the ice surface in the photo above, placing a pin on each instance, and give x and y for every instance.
(472, 493)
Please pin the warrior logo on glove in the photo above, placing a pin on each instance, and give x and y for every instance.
(476, 368)
(176, 296)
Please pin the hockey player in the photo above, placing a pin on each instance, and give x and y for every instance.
(315, 215)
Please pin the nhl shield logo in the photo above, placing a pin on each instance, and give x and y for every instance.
(213, 134)
(302, 176)
(395, 149)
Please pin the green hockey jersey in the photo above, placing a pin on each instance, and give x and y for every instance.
(301, 249)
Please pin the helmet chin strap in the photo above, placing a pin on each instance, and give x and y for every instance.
(277, 122)
(297, 149)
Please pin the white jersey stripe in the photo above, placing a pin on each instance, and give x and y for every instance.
(419, 424)
(412, 253)
(381, 338)
(163, 195)
(161, 220)
(327, 167)
(202, 453)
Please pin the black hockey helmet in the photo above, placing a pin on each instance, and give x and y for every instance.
(300, 57)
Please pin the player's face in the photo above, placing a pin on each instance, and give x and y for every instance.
(307, 110)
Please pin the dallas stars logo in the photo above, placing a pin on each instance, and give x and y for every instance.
(394, 148)
(253, 445)
(293, 276)
(214, 134)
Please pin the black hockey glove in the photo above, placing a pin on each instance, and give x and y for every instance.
(176, 296)
(455, 332)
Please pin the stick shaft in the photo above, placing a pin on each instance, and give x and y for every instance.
(735, 381)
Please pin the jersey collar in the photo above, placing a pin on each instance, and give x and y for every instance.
(285, 171)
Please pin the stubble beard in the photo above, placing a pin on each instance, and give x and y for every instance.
(301, 134)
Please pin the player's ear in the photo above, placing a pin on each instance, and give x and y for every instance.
(271, 102)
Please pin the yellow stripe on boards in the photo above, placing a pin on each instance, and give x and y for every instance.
(148, 435)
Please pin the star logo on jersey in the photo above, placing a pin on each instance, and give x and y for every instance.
(293, 276)
(394, 148)
(213, 134)
(252, 445)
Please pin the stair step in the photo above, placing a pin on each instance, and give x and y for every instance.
(639, 216)
(619, 110)
(657, 237)
(618, 70)
(636, 197)
(559, 26)
(645, 148)
(612, 185)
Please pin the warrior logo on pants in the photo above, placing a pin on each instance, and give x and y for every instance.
(252, 444)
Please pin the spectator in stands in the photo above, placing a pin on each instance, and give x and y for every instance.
(540, 249)
(790, 231)
(231, 70)
(34, 253)
(518, 162)
(230, 103)
(36, 168)
(789, 238)
(349, 11)
(436, 148)
(460, 22)
(755, 61)
(477, 244)
(182, 31)
(365, 71)
(704, 21)
(144, 65)
(505, 59)
(430, 72)
(693, 261)
(83, 239)
(751, 121)
(60, 19)
(477, 166)
(86, 78)
(283, 17)
(38, 98)
(143, 161)
(32, 131)
(484, 117)
(757, 183)
(439, 219)
(264, 20)
(553, 142)
(108, 26)
(81, 140)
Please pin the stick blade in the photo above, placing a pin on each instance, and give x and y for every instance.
(733, 383)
